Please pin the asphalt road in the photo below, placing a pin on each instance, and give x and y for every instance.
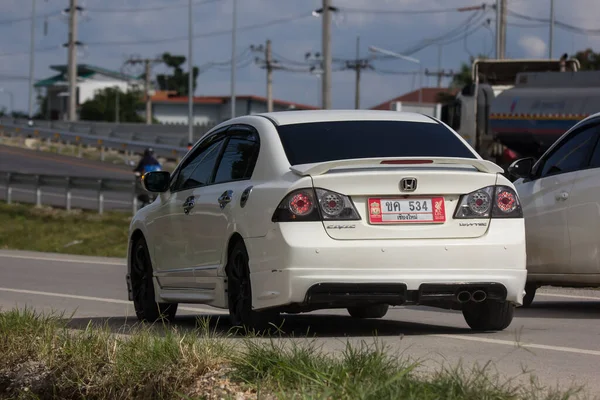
(14, 159)
(556, 340)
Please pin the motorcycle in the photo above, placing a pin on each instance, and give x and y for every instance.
(144, 198)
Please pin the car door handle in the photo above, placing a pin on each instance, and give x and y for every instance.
(225, 198)
(562, 196)
(189, 204)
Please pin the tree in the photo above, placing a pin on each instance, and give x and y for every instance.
(588, 59)
(178, 80)
(102, 106)
(460, 79)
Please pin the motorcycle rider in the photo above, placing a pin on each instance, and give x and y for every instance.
(146, 164)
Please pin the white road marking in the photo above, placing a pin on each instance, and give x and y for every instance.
(515, 344)
(60, 259)
(570, 296)
(99, 299)
(63, 195)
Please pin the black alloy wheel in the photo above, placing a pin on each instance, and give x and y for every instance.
(239, 294)
(142, 287)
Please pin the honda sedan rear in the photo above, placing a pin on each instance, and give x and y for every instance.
(360, 210)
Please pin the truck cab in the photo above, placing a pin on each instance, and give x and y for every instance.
(469, 113)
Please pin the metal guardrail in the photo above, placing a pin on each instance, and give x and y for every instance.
(169, 151)
(69, 183)
(169, 141)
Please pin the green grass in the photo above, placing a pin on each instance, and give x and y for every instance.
(41, 358)
(24, 227)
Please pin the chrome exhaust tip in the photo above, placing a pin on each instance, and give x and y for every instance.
(479, 296)
(463, 296)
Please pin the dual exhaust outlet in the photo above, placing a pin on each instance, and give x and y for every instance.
(465, 296)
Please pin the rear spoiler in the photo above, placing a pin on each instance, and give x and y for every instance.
(324, 167)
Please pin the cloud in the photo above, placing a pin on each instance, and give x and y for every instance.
(533, 46)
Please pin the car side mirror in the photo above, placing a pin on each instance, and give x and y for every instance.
(522, 168)
(156, 181)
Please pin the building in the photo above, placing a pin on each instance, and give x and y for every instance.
(89, 79)
(431, 102)
(168, 108)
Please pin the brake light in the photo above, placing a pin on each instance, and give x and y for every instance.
(507, 204)
(315, 205)
(407, 162)
(301, 204)
(490, 202)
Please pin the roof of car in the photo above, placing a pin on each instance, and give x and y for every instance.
(307, 116)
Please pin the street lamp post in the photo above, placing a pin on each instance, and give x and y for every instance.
(12, 99)
(407, 58)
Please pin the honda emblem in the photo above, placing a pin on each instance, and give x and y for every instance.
(408, 184)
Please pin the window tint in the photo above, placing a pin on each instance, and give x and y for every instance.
(327, 141)
(595, 160)
(572, 154)
(199, 170)
(239, 159)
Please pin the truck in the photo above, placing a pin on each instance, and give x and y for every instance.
(499, 113)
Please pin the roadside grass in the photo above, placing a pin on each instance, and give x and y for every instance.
(40, 357)
(25, 227)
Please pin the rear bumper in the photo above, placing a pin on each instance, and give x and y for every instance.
(299, 264)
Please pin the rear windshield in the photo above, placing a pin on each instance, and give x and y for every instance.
(315, 142)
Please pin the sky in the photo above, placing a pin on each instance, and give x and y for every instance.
(114, 30)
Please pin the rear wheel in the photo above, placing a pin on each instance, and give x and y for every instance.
(142, 287)
(530, 290)
(489, 315)
(239, 294)
(371, 311)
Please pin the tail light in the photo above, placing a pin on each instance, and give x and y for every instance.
(490, 202)
(315, 205)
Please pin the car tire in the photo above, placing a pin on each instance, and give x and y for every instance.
(239, 294)
(142, 287)
(489, 315)
(530, 290)
(371, 311)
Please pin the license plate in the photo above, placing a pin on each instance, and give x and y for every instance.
(406, 210)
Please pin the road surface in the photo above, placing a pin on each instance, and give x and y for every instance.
(14, 159)
(557, 339)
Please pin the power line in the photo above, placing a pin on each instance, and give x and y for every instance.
(39, 50)
(148, 9)
(203, 35)
(23, 19)
(561, 24)
(428, 11)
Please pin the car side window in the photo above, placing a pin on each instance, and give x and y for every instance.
(239, 157)
(572, 154)
(595, 159)
(198, 171)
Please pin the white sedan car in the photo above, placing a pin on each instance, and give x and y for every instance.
(560, 194)
(297, 211)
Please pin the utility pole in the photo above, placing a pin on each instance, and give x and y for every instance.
(441, 73)
(147, 78)
(551, 41)
(326, 97)
(72, 65)
(357, 65)
(190, 77)
(498, 30)
(270, 65)
(357, 90)
(31, 59)
(233, 61)
(269, 58)
(503, 13)
(117, 112)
